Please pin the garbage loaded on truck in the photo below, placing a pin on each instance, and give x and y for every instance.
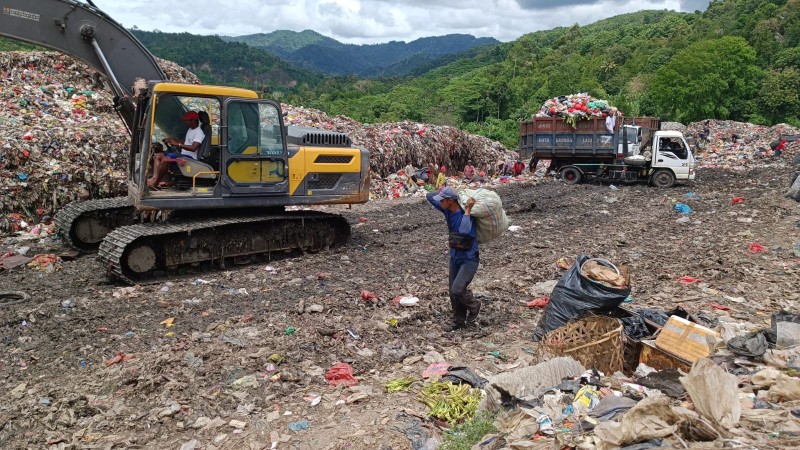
(614, 150)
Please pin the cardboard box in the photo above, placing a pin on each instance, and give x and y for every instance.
(687, 340)
(660, 360)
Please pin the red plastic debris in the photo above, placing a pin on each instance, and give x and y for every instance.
(362, 219)
(438, 368)
(121, 357)
(736, 200)
(755, 247)
(688, 280)
(369, 296)
(341, 373)
(719, 307)
(539, 302)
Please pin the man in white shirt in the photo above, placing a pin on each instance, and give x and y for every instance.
(189, 146)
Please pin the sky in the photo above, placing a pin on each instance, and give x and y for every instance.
(375, 21)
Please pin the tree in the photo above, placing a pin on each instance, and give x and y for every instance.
(714, 78)
(779, 98)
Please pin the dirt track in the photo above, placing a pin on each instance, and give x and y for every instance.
(215, 360)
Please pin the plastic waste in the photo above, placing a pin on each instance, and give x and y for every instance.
(409, 301)
(538, 302)
(714, 393)
(751, 344)
(682, 208)
(300, 425)
(785, 329)
(546, 425)
(341, 374)
(576, 296)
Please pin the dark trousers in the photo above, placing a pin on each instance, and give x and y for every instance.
(461, 274)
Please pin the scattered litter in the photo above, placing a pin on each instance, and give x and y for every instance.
(341, 374)
(300, 425)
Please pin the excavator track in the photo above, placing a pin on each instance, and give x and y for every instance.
(85, 224)
(141, 252)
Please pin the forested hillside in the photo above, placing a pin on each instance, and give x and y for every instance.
(313, 51)
(738, 60)
(229, 63)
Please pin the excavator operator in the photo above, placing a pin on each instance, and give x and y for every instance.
(187, 148)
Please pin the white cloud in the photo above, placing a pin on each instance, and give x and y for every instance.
(375, 21)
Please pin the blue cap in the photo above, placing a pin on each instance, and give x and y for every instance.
(446, 192)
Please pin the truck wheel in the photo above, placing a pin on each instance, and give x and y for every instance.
(571, 175)
(663, 178)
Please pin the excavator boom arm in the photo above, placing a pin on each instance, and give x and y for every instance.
(84, 32)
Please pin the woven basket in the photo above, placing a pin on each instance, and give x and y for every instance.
(595, 341)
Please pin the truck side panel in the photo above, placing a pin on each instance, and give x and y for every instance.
(552, 137)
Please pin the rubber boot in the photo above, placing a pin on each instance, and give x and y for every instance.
(459, 315)
(473, 307)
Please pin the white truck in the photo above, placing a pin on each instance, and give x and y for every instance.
(626, 153)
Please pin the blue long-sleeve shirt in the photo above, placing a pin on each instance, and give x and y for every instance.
(458, 222)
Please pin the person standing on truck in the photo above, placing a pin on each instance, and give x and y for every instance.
(188, 148)
(464, 257)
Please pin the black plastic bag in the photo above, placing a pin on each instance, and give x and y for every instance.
(659, 318)
(634, 327)
(460, 375)
(751, 344)
(576, 296)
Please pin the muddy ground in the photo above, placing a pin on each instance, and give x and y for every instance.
(193, 380)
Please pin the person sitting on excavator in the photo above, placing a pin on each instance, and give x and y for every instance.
(188, 149)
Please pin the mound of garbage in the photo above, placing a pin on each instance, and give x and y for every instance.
(61, 140)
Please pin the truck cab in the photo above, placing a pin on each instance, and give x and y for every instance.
(671, 159)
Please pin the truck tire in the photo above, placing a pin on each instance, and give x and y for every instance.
(571, 175)
(663, 178)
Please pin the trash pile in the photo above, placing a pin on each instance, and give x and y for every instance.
(576, 107)
(392, 144)
(739, 146)
(60, 139)
(613, 376)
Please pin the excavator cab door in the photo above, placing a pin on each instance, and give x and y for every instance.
(253, 148)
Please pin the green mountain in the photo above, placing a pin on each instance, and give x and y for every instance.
(313, 51)
(283, 42)
(215, 61)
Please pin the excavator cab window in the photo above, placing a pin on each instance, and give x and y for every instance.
(254, 128)
(171, 108)
(255, 156)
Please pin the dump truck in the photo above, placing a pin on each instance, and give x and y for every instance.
(621, 150)
(228, 203)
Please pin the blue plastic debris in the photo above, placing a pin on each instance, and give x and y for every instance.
(682, 208)
(300, 425)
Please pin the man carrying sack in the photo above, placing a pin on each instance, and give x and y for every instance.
(464, 259)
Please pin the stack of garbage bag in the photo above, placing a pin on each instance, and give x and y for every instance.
(576, 106)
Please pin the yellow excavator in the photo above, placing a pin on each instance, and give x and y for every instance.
(230, 200)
